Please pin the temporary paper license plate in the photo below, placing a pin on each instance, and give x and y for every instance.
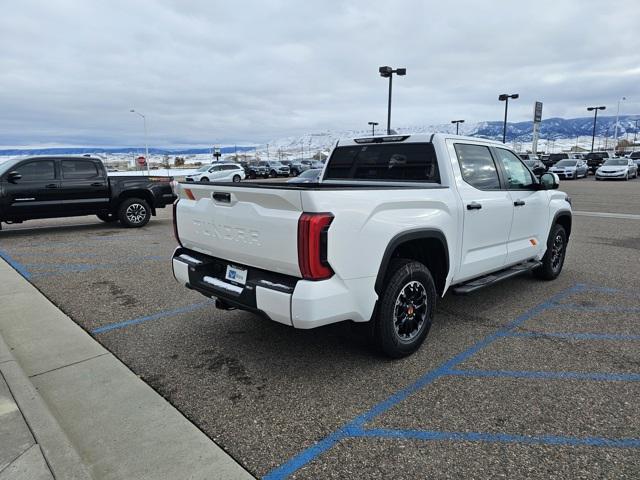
(236, 274)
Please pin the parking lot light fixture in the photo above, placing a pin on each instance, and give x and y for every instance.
(146, 143)
(504, 97)
(387, 72)
(457, 122)
(615, 135)
(373, 128)
(595, 119)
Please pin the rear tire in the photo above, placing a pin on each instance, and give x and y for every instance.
(107, 217)
(405, 309)
(134, 213)
(553, 259)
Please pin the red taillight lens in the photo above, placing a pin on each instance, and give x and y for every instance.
(175, 222)
(312, 245)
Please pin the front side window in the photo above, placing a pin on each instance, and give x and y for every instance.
(518, 176)
(79, 170)
(37, 171)
(477, 166)
(414, 162)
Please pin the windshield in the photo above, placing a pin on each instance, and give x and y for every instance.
(615, 161)
(5, 165)
(566, 163)
(314, 172)
(558, 156)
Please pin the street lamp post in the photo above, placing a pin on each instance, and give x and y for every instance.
(387, 72)
(457, 122)
(146, 143)
(373, 128)
(635, 133)
(595, 119)
(504, 97)
(615, 135)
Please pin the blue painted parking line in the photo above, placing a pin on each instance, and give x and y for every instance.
(573, 336)
(500, 438)
(356, 426)
(155, 316)
(548, 375)
(17, 266)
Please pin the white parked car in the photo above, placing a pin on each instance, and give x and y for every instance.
(571, 168)
(218, 172)
(617, 168)
(394, 223)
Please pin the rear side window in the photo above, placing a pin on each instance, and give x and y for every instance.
(410, 162)
(79, 170)
(477, 166)
(37, 171)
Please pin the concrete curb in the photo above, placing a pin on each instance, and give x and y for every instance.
(91, 415)
(61, 456)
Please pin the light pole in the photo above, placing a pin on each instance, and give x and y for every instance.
(635, 133)
(373, 128)
(387, 72)
(457, 122)
(146, 143)
(504, 97)
(595, 118)
(615, 134)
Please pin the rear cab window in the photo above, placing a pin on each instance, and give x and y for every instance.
(408, 162)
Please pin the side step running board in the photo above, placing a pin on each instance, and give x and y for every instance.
(478, 283)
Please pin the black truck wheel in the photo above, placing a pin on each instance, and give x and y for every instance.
(107, 217)
(405, 309)
(553, 259)
(134, 213)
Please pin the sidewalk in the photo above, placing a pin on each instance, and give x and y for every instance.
(70, 410)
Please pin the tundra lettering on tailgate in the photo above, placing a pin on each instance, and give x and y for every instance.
(228, 232)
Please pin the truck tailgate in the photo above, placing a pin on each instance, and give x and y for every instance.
(251, 226)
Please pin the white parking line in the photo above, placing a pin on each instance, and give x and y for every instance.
(626, 216)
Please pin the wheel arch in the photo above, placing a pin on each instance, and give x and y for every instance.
(563, 218)
(428, 246)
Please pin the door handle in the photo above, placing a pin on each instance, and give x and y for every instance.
(222, 197)
(51, 185)
(474, 206)
(97, 184)
(518, 203)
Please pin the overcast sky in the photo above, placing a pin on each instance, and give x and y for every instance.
(209, 72)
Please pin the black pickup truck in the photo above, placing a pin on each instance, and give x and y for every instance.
(48, 187)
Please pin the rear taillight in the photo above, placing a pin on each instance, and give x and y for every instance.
(175, 222)
(313, 231)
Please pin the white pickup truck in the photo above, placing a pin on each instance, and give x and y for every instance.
(394, 222)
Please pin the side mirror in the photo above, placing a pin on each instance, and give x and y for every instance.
(549, 181)
(13, 177)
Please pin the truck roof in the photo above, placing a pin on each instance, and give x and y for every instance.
(413, 138)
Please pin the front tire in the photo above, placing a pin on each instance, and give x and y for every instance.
(204, 179)
(236, 178)
(134, 213)
(553, 259)
(405, 310)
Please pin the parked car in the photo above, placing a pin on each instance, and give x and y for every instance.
(617, 168)
(253, 170)
(296, 167)
(48, 187)
(275, 169)
(570, 169)
(595, 160)
(635, 156)
(378, 239)
(528, 156)
(218, 172)
(545, 159)
(308, 176)
(536, 166)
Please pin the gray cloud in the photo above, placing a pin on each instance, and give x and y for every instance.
(225, 72)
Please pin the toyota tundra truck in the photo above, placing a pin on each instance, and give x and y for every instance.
(393, 223)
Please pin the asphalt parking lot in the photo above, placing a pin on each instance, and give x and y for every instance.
(525, 379)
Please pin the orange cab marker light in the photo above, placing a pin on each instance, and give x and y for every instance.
(189, 194)
(534, 242)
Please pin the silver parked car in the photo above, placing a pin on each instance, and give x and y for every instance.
(571, 168)
(617, 168)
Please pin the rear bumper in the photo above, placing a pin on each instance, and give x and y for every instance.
(285, 299)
